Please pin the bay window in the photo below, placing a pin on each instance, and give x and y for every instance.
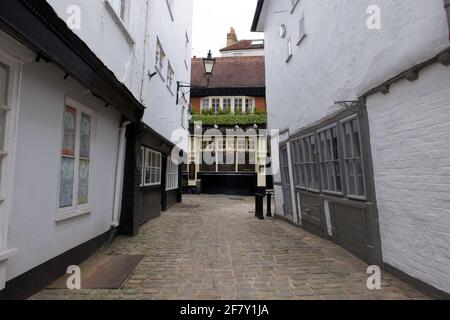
(76, 157)
(330, 160)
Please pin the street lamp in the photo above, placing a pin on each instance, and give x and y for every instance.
(208, 64)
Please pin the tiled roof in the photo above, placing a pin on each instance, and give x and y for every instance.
(231, 72)
(245, 45)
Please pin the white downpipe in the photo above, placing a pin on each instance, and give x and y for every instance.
(297, 217)
(119, 175)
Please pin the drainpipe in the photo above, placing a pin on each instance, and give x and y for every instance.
(119, 175)
(447, 9)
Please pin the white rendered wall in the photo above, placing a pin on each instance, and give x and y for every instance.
(410, 134)
(32, 226)
(163, 114)
(341, 58)
(131, 63)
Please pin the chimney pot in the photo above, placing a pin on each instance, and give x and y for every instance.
(231, 37)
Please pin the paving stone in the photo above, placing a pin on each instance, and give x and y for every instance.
(217, 250)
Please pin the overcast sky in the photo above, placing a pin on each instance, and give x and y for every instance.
(213, 20)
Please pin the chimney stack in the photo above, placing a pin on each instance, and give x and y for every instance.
(231, 37)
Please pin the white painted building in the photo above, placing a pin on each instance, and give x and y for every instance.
(127, 36)
(66, 98)
(395, 167)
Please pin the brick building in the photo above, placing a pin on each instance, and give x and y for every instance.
(232, 103)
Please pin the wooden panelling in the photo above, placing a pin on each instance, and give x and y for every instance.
(313, 217)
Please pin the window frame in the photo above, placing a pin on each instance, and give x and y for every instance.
(251, 106)
(144, 151)
(171, 171)
(310, 162)
(76, 209)
(170, 76)
(216, 106)
(345, 159)
(327, 161)
(241, 104)
(299, 163)
(7, 163)
(160, 58)
(205, 101)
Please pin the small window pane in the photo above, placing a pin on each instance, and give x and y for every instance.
(85, 136)
(70, 121)
(353, 160)
(66, 187)
(83, 182)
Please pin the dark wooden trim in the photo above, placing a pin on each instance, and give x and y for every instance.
(421, 286)
(369, 203)
(35, 280)
(369, 177)
(228, 91)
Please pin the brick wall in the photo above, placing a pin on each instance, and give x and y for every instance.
(260, 104)
(195, 103)
(410, 137)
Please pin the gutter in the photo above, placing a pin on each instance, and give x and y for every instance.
(447, 9)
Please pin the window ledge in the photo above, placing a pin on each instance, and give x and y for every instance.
(67, 215)
(5, 255)
(119, 23)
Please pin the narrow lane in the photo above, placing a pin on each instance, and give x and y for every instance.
(212, 247)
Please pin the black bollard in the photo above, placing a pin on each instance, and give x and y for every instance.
(269, 204)
(259, 206)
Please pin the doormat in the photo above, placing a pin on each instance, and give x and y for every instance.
(237, 199)
(107, 272)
